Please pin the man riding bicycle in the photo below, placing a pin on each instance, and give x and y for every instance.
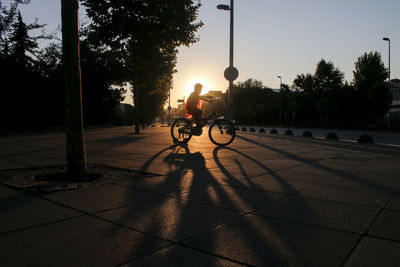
(193, 108)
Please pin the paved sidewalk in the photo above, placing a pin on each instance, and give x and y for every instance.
(264, 200)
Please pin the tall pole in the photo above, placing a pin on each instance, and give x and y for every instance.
(169, 107)
(388, 39)
(389, 61)
(230, 73)
(280, 101)
(230, 96)
(389, 104)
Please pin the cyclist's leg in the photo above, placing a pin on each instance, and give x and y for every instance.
(197, 117)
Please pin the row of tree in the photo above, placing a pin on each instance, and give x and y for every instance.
(128, 44)
(133, 44)
(322, 99)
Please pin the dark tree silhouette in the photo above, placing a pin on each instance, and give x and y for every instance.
(76, 154)
(135, 29)
(369, 78)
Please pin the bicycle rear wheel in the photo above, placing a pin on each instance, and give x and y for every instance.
(222, 132)
(181, 131)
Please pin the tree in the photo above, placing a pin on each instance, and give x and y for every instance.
(304, 82)
(134, 29)
(21, 43)
(369, 80)
(369, 69)
(327, 78)
(76, 154)
(102, 90)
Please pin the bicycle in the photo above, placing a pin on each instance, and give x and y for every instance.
(221, 131)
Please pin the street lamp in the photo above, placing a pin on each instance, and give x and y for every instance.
(230, 73)
(389, 104)
(280, 101)
(387, 39)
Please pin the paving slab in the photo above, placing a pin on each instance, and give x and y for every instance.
(181, 256)
(234, 198)
(367, 196)
(382, 168)
(6, 192)
(261, 241)
(100, 197)
(394, 202)
(375, 252)
(336, 215)
(170, 218)
(6, 164)
(20, 210)
(281, 164)
(270, 182)
(312, 198)
(299, 174)
(174, 183)
(308, 171)
(360, 183)
(343, 163)
(83, 241)
(387, 225)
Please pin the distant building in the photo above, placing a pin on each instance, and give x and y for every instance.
(217, 94)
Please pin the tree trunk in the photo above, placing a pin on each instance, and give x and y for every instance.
(76, 154)
(137, 106)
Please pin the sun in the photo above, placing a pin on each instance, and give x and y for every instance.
(190, 86)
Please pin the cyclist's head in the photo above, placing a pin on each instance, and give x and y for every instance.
(198, 87)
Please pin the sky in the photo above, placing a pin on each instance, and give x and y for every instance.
(271, 38)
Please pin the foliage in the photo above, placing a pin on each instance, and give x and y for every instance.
(369, 69)
(369, 81)
(27, 96)
(32, 82)
(144, 36)
(321, 99)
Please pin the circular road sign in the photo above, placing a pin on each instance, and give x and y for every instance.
(231, 73)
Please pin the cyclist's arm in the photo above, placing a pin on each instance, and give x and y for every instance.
(207, 98)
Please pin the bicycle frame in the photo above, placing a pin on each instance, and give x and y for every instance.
(213, 116)
(185, 129)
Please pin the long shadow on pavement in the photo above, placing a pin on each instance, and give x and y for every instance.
(195, 203)
(340, 173)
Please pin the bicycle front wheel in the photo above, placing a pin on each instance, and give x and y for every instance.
(222, 132)
(181, 131)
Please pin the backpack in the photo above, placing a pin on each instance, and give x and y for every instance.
(188, 115)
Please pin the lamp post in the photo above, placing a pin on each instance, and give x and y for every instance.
(231, 73)
(387, 39)
(388, 112)
(280, 100)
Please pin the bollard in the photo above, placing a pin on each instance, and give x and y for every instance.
(365, 138)
(307, 134)
(332, 136)
(288, 132)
